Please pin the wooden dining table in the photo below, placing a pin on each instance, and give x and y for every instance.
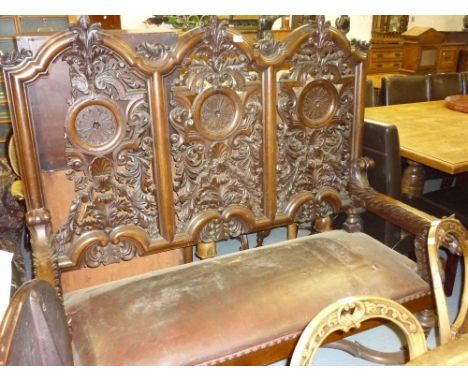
(430, 134)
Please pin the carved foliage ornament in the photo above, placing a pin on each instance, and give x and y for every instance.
(217, 140)
(315, 105)
(15, 57)
(109, 153)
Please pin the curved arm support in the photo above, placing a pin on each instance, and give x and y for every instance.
(349, 313)
(451, 234)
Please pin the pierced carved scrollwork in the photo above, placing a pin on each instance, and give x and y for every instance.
(14, 58)
(269, 47)
(350, 313)
(315, 102)
(216, 144)
(152, 51)
(109, 152)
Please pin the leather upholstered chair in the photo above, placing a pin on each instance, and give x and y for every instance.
(381, 143)
(403, 89)
(370, 94)
(444, 84)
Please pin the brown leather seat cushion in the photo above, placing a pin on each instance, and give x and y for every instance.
(203, 312)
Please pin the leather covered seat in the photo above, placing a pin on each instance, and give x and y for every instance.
(164, 318)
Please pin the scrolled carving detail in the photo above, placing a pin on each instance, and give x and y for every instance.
(269, 47)
(109, 154)
(152, 51)
(14, 58)
(316, 119)
(216, 114)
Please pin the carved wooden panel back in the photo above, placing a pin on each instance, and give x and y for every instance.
(198, 141)
(216, 141)
(315, 106)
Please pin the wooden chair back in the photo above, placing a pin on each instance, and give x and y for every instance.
(143, 148)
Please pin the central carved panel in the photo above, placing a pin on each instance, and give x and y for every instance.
(316, 118)
(109, 155)
(216, 143)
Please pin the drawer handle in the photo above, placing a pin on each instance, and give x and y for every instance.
(379, 55)
(379, 65)
(397, 54)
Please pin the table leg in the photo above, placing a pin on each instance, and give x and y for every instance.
(412, 183)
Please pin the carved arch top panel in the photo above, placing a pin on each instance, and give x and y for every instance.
(315, 104)
(109, 153)
(216, 133)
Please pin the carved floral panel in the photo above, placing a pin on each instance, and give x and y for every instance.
(315, 107)
(108, 150)
(216, 141)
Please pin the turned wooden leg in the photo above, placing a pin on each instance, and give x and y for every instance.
(292, 231)
(262, 235)
(427, 319)
(206, 250)
(323, 224)
(188, 255)
(353, 222)
(412, 183)
(244, 240)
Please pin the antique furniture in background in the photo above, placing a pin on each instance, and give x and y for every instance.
(352, 311)
(386, 50)
(161, 146)
(420, 126)
(10, 28)
(426, 51)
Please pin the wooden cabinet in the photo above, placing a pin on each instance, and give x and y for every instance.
(425, 51)
(386, 50)
(448, 57)
(385, 58)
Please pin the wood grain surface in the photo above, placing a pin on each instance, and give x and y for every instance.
(430, 133)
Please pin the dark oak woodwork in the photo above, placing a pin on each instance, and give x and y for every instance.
(160, 146)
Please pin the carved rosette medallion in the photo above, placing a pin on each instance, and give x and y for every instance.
(94, 125)
(318, 103)
(217, 112)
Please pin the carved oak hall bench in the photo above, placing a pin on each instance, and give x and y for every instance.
(129, 152)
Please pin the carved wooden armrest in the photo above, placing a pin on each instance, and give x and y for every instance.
(44, 258)
(400, 214)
